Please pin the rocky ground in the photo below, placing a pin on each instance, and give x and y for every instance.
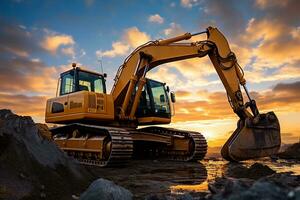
(32, 167)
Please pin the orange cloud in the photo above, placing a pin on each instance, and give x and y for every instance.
(24, 105)
(118, 49)
(132, 38)
(23, 75)
(52, 42)
(214, 105)
(269, 3)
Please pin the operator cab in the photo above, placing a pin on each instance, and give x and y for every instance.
(154, 103)
(78, 79)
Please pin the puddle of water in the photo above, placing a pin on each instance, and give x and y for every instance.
(146, 177)
(219, 168)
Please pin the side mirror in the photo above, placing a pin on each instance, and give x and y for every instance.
(104, 75)
(173, 98)
(162, 98)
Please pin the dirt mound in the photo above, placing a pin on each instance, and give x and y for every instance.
(255, 171)
(292, 152)
(32, 166)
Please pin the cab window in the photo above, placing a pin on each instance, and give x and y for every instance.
(67, 84)
(160, 98)
(90, 82)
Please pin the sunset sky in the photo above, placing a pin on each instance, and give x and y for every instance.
(40, 39)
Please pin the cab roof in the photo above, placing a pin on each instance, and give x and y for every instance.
(83, 70)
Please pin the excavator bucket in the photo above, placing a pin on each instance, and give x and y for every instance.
(254, 138)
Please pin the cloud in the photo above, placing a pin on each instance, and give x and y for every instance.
(205, 105)
(134, 37)
(69, 51)
(164, 74)
(174, 29)
(118, 49)
(189, 3)
(286, 11)
(291, 88)
(21, 75)
(226, 14)
(269, 3)
(275, 45)
(22, 41)
(272, 40)
(52, 42)
(156, 19)
(16, 40)
(286, 72)
(131, 38)
(26, 81)
(23, 104)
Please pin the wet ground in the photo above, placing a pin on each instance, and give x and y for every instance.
(147, 177)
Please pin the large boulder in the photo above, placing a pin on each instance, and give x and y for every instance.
(102, 189)
(32, 166)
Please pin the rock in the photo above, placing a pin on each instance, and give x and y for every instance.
(29, 162)
(156, 197)
(75, 197)
(297, 193)
(185, 197)
(255, 171)
(43, 195)
(277, 186)
(27, 134)
(170, 197)
(292, 152)
(103, 189)
(44, 131)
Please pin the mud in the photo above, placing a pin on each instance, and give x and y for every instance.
(176, 180)
(145, 177)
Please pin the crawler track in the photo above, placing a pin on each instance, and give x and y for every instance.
(197, 150)
(120, 151)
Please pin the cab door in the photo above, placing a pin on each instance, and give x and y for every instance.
(60, 104)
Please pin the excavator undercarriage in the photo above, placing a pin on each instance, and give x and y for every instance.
(107, 146)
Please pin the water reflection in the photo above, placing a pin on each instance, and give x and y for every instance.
(223, 168)
(146, 177)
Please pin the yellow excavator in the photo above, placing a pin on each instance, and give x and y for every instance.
(103, 129)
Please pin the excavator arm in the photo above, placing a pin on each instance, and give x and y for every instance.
(156, 53)
(257, 134)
